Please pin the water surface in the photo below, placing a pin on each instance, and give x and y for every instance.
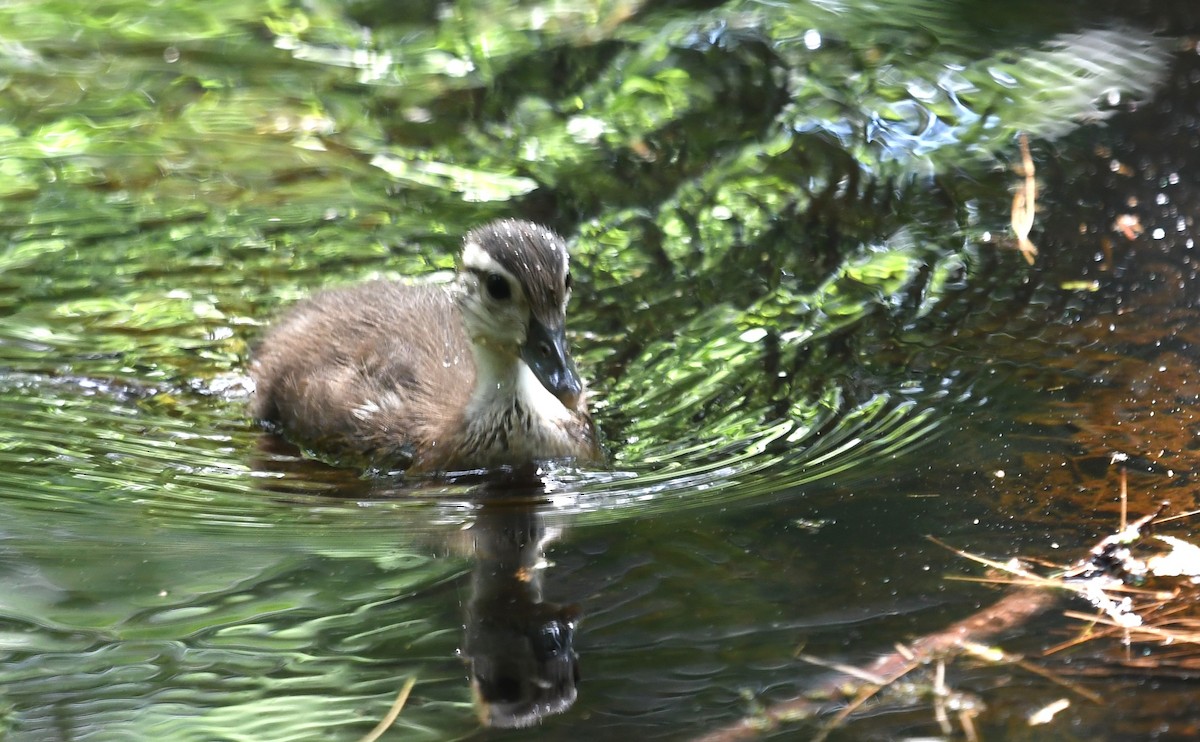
(811, 338)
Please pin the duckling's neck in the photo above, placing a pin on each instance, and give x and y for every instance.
(503, 382)
(511, 414)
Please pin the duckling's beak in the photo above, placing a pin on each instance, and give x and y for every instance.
(545, 351)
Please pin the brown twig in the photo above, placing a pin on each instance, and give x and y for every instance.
(392, 714)
(1025, 204)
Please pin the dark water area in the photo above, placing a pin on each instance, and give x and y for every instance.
(810, 335)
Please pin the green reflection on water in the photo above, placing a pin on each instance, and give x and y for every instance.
(770, 226)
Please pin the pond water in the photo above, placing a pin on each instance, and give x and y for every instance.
(811, 337)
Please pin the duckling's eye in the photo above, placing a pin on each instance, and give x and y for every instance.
(497, 287)
(568, 283)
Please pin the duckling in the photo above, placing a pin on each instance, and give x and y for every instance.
(473, 374)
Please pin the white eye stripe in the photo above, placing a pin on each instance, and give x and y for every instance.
(476, 259)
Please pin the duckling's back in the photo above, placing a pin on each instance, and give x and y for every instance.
(379, 372)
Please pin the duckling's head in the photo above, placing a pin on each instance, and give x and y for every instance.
(515, 282)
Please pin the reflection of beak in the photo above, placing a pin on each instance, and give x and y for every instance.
(545, 352)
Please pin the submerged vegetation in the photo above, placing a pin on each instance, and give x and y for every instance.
(770, 193)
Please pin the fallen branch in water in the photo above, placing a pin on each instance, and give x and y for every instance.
(1112, 577)
(1009, 612)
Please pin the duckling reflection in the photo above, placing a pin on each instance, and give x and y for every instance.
(429, 377)
(520, 649)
